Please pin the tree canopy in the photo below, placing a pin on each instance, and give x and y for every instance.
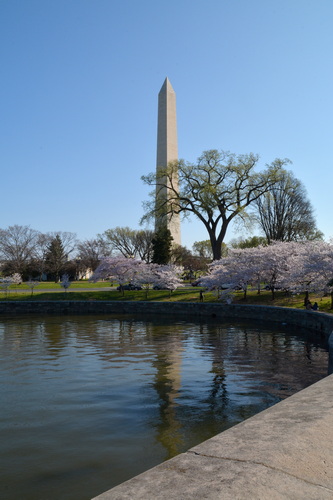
(56, 258)
(250, 242)
(216, 189)
(284, 213)
(296, 267)
(17, 247)
(130, 242)
(162, 243)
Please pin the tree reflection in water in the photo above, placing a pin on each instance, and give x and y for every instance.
(116, 395)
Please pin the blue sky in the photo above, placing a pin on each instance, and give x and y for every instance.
(78, 105)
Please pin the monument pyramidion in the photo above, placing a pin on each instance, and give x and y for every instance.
(167, 151)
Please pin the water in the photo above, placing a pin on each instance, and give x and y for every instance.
(88, 402)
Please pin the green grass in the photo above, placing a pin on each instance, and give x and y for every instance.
(47, 285)
(183, 294)
(187, 294)
(283, 300)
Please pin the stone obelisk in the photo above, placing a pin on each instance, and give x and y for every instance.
(167, 151)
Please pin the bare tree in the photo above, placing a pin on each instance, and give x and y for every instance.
(130, 242)
(90, 253)
(284, 213)
(38, 265)
(144, 244)
(217, 190)
(17, 247)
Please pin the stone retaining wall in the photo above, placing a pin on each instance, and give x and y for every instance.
(321, 322)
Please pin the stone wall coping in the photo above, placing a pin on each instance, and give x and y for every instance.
(284, 452)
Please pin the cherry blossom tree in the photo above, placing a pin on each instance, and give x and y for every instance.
(118, 269)
(276, 264)
(65, 282)
(138, 272)
(316, 272)
(168, 277)
(32, 285)
(236, 271)
(7, 281)
(221, 275)
(147, 276)
(160, 276)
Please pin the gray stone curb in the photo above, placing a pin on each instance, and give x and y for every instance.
(284, 452)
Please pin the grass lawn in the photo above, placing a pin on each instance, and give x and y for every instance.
(186, 294)
(295, 301)
(50, 285)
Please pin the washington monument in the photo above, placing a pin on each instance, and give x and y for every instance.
(167, 151)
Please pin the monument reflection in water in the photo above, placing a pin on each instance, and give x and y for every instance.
(88, 402)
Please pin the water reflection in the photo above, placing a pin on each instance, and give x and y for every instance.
(167, 383)
(90, 401)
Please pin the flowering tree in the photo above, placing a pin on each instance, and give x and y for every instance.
(316, 272)
(298, 267)
(32, 285)
(161, 276)
(16, 278)
(236, 271)
(276, 262)
(65, 282)
(7, 281)
(119, 269)
(166, 276)
(138, 272)
(147, 276)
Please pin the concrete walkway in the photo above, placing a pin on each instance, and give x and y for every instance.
(284, 452)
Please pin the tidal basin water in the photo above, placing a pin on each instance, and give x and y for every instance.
(90, 401)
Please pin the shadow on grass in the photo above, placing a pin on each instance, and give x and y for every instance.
(153, 295)
(180, 295)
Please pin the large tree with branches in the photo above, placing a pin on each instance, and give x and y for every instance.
(217, 189)
(284, 213)
(130, 242)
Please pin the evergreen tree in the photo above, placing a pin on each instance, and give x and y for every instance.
(56, 258)
(162, 242)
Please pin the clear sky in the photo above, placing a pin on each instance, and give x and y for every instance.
(79, 87)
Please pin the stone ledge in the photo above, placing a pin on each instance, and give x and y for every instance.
(284, 452)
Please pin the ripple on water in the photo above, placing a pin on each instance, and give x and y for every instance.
(90, 402)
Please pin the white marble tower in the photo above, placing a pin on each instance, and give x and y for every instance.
(167, 151)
